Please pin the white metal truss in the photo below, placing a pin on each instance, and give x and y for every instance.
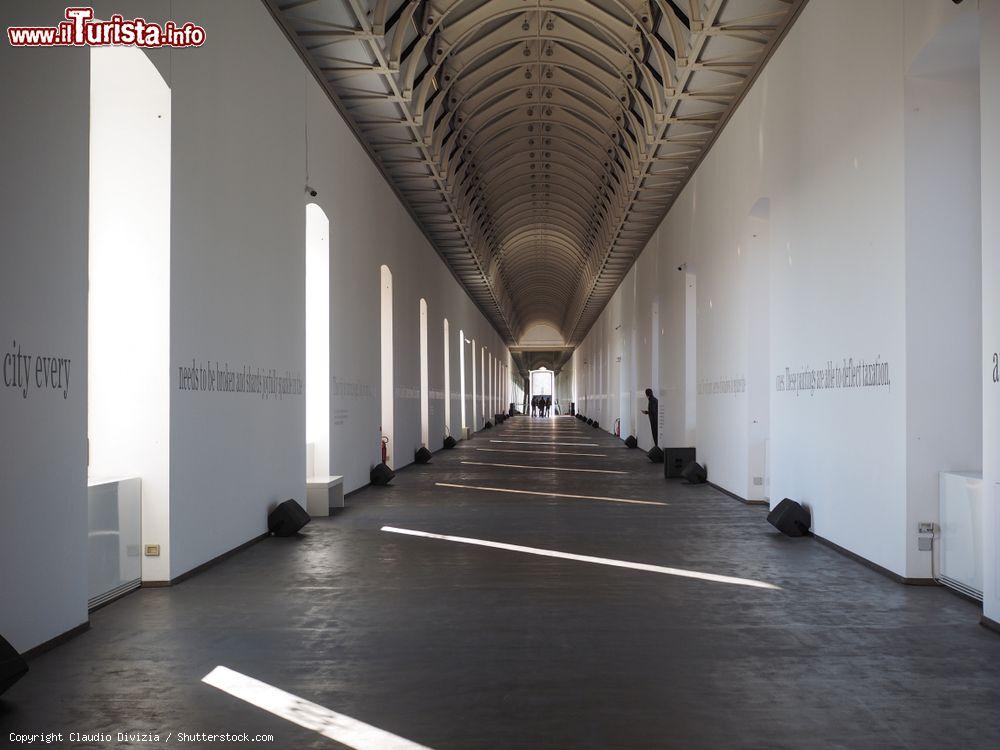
(538, 143)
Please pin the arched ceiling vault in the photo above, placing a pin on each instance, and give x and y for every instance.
(538, 143)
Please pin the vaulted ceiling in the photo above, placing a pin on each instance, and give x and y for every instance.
(538, 143)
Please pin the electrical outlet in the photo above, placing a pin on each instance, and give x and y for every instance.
(925, 527)
(152, 550)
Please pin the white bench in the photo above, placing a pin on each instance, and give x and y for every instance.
(323, 493)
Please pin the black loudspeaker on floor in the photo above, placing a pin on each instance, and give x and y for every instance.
(381, 475)
(790, 518)
(450, 442)
(695, 473)
(287, 519)
(655, 454)
(12, 666)
(631, 442)
(422, 455)
(675, 460)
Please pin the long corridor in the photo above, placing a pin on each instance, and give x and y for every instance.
(727, 636)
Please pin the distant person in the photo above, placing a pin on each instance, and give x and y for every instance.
(548, 405)
(654, 415)
(534, 406)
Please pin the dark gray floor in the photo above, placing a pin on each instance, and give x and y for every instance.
(456, 646)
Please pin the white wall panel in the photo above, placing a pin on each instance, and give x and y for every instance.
(990, 131)
(43, 313)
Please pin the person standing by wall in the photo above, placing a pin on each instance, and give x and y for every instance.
(654, 415)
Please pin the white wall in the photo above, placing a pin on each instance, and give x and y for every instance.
(237, 277)
(243, 104)
(990, 131)
(822, 137)
(251, 128)
(43, 308)
(369, 227)
(943, 271)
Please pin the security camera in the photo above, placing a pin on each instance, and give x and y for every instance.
(311, 191)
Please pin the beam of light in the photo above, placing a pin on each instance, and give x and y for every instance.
(337, 727)
(535, 442)
(551, 494)
(539, 428)
(588, 559)
(541, 453)
(544, 468)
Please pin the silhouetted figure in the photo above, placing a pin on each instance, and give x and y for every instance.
(654, 415)
(548, 405)
(534, 406)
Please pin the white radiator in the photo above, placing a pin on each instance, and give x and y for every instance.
(960, 557)
(113, 534)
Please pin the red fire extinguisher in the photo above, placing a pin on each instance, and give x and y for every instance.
(618, 427)
(385, 449)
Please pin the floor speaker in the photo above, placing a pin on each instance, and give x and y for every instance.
(596, 423)
(12, 666)
(631, 442)
(790, 518)
(590, 422)
(381, 475)
(695, 473)
(450, 442)
(655, 454)
(674, 461)
(287, 519)
(422, 455)
(488, 425)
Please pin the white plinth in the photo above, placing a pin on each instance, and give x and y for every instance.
(323, 493)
